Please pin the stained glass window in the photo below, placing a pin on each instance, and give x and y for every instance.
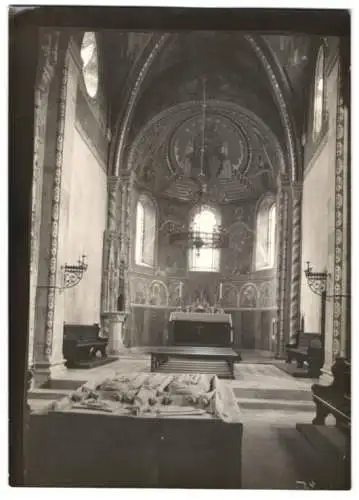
(265, 235)
(145, 232)
(318, 104)
(204, 222)
(90, 63)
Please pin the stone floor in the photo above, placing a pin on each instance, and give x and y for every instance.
(271, 402)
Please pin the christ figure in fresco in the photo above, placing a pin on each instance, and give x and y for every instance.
(213, 156)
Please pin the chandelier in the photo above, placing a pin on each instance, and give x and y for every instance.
(198, 240)
(194, 238)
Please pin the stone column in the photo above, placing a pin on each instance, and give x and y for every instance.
(112, 320)
(49, 304)
(46, 70)
(127, 184)
(111, 248)
(279, 240)
(112, 187)
(345, 348)
(127, 214)
(296, 198)
(282, 261)
(340, 300)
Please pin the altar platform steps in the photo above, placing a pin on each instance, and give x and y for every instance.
(91, 363)
(219, 368)
(275, 404)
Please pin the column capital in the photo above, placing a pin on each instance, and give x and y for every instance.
(112, 235)
(112, 183)
(127, 176)
(49, 45)
(48, 60)
(297, 187)
(283, 179)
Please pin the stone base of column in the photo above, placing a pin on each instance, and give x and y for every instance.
(115, 326)
(44, 372)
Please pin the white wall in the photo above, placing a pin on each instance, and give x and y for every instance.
(86, 222)
(319, 218)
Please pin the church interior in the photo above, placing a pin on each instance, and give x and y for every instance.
(190, 241)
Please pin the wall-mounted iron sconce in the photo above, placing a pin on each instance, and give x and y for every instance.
(73, 274)
(317, 282)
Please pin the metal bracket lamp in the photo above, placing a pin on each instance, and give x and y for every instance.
(317, 282)
(73, 274)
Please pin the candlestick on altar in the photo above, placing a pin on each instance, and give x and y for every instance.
(220, 291)
(180, 289)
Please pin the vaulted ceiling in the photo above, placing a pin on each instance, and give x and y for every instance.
(221, 72)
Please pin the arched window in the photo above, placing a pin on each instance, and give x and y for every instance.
(318, 104)
(203, 225)
(90, 63)
(145, 232)
(265, 235)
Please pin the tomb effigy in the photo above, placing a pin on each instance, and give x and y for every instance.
(139, 430)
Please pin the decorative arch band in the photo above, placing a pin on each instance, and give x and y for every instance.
(281, 102)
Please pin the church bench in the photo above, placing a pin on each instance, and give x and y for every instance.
(334, 399)
(83, 343)
(307, 348)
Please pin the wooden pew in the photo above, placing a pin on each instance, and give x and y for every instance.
(82, 343)
(334, 399)
(307, 348)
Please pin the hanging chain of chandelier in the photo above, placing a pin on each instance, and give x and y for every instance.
(196, 239)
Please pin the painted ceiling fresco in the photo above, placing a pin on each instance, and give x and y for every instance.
(226, 157)
(214, 145)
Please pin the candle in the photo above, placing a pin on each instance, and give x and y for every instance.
(180, 290)
(220, 291)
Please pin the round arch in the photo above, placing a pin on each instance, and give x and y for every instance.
(277, 81)
(221, 107)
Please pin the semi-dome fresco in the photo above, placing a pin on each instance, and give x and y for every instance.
(225, 148)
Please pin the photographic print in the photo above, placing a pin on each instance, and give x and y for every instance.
(181, 204)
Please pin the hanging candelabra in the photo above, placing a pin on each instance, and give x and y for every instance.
(194, 238)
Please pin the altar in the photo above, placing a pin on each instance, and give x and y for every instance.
(200, 329)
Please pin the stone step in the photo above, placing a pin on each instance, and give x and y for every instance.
(219, 368)
(275, 404)
(66, 384)
(48, 393)
(277, 393)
